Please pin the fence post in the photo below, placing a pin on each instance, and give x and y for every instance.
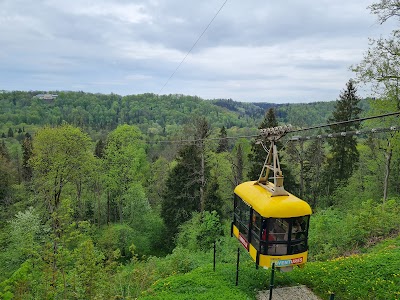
(271, 283)
(214, 256)
(237, 267)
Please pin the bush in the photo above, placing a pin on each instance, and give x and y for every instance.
(200, 232)
(336, 232)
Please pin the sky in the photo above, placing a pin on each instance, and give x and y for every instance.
(287, 51)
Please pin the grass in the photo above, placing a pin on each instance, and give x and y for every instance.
(204, 283)
(374, 275)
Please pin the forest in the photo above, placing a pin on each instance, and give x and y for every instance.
(124, 197)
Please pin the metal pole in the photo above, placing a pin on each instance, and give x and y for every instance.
(271, 283)
(237, 267)
(332, 296)
(214, 256)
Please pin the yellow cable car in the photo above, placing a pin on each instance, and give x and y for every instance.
(270, 223)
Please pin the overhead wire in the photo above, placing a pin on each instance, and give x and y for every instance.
(194, 45)
(349, 121)
(180, 141)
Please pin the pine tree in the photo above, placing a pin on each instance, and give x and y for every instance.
(313, 165)
(258, 154)
(10, 132)
(26, 155)
(344, 149)
(99, 150)
(182, 193)
(223, 141)
(213, 201)
(238, 166)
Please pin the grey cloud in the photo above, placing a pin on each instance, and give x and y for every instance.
(253, 50)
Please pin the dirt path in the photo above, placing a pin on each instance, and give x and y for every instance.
(300, 292)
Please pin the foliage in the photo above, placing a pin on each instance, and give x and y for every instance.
(106, 202)
(336, 232)
(258, 155)
(200, 232)
(368, 276)
(181, 196)
(223, 141)
(344, 149)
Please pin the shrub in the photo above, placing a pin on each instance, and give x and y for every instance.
(200, 232)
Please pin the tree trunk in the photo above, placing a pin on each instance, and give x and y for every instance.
(202, 181)
(108, 207)
(301, 156)
(388, 156)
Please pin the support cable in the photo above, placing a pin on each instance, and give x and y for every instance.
(194, 45)
(292, 131)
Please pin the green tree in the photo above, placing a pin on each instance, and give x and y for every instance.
(200, 232)
(258, 154)
(89, 271)
(181, 197)
(238, 165)
(223, 141)
(213, 201)
(381, 68)
(126, 165)
(99, 150)
(25, 227)
(344, 153)
(7, 176)
(26, 155)
(59, 155)
(313, 166)
(10, 132)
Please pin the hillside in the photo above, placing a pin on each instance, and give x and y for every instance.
(151, 113)
(373, 275)
(103, 197)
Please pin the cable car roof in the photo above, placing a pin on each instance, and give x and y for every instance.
(271, 207)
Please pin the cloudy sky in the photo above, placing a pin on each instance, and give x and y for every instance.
(275, 51)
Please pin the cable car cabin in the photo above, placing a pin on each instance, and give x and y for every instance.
(273, 229)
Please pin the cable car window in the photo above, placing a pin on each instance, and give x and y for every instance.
(299, 235)
(242, 216)
(299, 228)
(298, 247)
(279, 228)
(256, 229)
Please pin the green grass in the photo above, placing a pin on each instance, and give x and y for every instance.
(374, 275)
(204, 283)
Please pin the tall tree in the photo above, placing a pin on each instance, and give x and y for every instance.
(181, 196)
(127, 167)
(213, 201)
(26, 155)
(59, 155)
(99, 149)
(381, 68)
(10, 132)
(313, 165)
(258, 154)
(7, 175)
(344, 149)
(223, 141)
(238, 165)
(202, 131)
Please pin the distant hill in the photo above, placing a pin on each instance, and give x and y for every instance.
(148, 111)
